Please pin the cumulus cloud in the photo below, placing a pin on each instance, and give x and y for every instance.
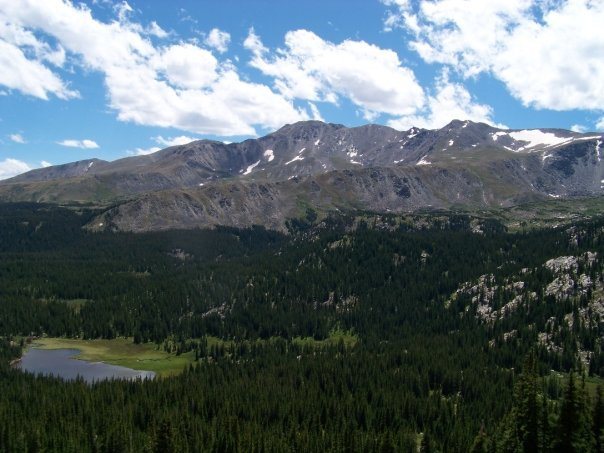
(218, 39)
(449, 101)
(547, 53)
(179, 85)
(313, 69)
(30, 76)
(12, 167)
(83, 144)
(600, 124)
(17, 138)
(578, 128)
(23, 58)
(174, 141)
(45, 163)
(143, 151)
(186, 66)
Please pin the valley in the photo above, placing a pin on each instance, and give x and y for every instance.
(320, 288)
(258, 226)
(419, 325)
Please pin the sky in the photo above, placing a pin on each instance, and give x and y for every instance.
(112, 79)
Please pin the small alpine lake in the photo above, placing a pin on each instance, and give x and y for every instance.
(117, 358)
(63, 363)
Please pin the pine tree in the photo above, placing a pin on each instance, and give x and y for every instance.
(527, 410)
(544, 424)
(480, 442)
(426, 444)
(573, 432)
(598, 421)
(164, 438)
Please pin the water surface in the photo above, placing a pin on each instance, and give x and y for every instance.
(62, 363)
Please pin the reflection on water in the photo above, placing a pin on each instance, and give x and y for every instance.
(61, 363)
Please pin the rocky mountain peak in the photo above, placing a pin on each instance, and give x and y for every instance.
(325, 166)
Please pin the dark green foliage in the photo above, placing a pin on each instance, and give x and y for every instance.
(418, 367)
(598, 421)
(573, 431)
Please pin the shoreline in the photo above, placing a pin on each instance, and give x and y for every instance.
(13, 363)
(116, 372)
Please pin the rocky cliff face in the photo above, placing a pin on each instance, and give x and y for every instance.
(327, 167)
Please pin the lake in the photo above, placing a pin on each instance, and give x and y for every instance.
(62, 363)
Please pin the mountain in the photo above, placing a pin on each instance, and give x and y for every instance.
(324, 167)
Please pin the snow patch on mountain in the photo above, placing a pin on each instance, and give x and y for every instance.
(269, 154)
(533, 138)
(295, 159)
(412, 133)
(536, 137)
(250, 168)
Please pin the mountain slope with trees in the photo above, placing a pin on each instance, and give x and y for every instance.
(258, 310)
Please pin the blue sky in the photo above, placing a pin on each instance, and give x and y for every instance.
(110, 79)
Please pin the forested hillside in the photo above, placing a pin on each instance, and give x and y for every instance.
(359, 333)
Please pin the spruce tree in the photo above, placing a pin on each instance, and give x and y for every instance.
(573, 433)
(598, 420)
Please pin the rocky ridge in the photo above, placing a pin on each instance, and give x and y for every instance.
(326, 167)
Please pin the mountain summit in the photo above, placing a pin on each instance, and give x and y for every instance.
(323, 166)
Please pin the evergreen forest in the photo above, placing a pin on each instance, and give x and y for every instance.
(434, 333)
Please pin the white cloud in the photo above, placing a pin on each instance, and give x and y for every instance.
(578, 128)
(30, 76)
(12, 167)
(547, 53)
(180, 85)
(17, 138)
(218, 39)
(187, 66)
(143, 151)
(393, 18)
(315, 114)
(23, 58)
(18, 36)
(84, 144)
(45, 163)
(600, 124)
(398, 3)
(174, 141)
(449, 101)
(155, 30)
(254, 44)
(313, 69)
(123, 9)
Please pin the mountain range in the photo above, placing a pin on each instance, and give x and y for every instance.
(324, 167)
